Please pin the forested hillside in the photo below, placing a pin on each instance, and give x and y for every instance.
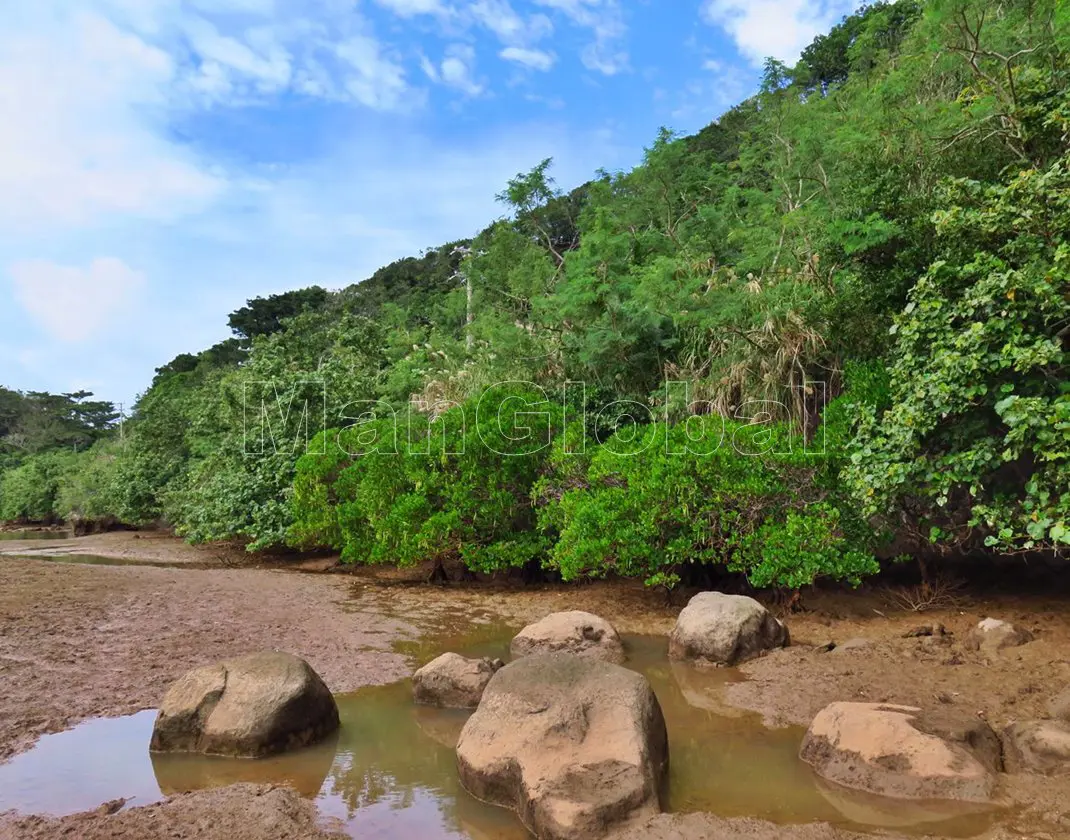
(857, 282)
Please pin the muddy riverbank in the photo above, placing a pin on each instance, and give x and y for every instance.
(80, 642)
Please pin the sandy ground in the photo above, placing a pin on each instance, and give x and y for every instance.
(86, 641)
(239, 812)
(90, 641)
(149, 547)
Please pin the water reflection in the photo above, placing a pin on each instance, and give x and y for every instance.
(305, 771)
(96, 761)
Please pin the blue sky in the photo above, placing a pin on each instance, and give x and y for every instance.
(164, 160)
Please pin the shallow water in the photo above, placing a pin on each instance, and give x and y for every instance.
(66, 556)
(94, 560)
(34, 535)
(390, 772)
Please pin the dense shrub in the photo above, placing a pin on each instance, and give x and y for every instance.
(455, 486)
(28, 492)
(975, 445)
(657, 499)
(91, 487)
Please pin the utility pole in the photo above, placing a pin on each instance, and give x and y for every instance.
(470, 315)
(469, 338)
(122, 436)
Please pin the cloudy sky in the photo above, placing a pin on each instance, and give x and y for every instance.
(161, 161)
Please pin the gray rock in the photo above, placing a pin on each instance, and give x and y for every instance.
(254, 706)
(992, 635)
(721, 629)
(576, 632)
(899, 751)
(453, 681)
(577, 746)
(1038, 746)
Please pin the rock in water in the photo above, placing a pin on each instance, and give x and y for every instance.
(1038, 746)
(992, 635)
(575, 632)
(575, 745)
(724, 630)
(900, 752)
(254, 706)
(453, 681)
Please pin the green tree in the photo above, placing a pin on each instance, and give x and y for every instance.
(975, 446)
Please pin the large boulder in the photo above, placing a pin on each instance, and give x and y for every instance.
(576, 746)
(575, 632)
(1038, 746)
(721, 629)
(993, 635)
(453, 681)
(254, 706)
(899, 751)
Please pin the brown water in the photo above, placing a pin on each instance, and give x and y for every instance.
(66, 556)
(34, 535)
(94, 560)
(390, 772)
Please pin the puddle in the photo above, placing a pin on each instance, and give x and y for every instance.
(390, 773)
(34, 535)
(67, 556)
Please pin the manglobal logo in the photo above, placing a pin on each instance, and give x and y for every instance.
(517, 418)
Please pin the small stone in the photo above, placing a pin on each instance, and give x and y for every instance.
(1039, 746)
(992, 635)
(852, 645)
(113, 807)
(576, 632)
(926, 630)
(453, 682)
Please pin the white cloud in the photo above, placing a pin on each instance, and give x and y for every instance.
(411, 8)
(75, 304)
(777, 28)
(605, 19)
(457, 69)
(79, 137)
(692, 104)
(94, 97)
(511, 28)
(374, 79)
(535, 59)
(259, 60)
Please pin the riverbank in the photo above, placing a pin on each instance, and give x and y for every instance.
(80, 641)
